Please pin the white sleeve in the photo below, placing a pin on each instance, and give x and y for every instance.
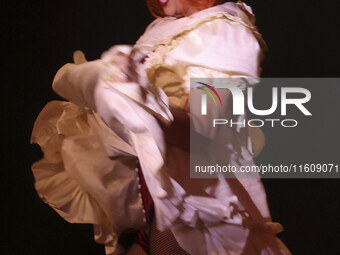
(214, 48)
(77, 82)
(220, 44)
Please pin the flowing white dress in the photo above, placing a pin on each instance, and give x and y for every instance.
(91, 143)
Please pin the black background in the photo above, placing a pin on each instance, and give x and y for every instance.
(40, 36)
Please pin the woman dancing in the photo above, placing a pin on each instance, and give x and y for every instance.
(116, 154)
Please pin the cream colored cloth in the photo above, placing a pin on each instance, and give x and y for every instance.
(77, 178)
(219, 42)
(87, 174)
(88, 171)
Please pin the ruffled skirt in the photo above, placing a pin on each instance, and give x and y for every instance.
(83, 183)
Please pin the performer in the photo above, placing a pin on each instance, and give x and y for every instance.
(113, 156)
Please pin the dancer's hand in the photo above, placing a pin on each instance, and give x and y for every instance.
(121, 57)
(79, 57)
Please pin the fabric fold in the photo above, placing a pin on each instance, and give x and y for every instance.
(88, 172)
(78, 179)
